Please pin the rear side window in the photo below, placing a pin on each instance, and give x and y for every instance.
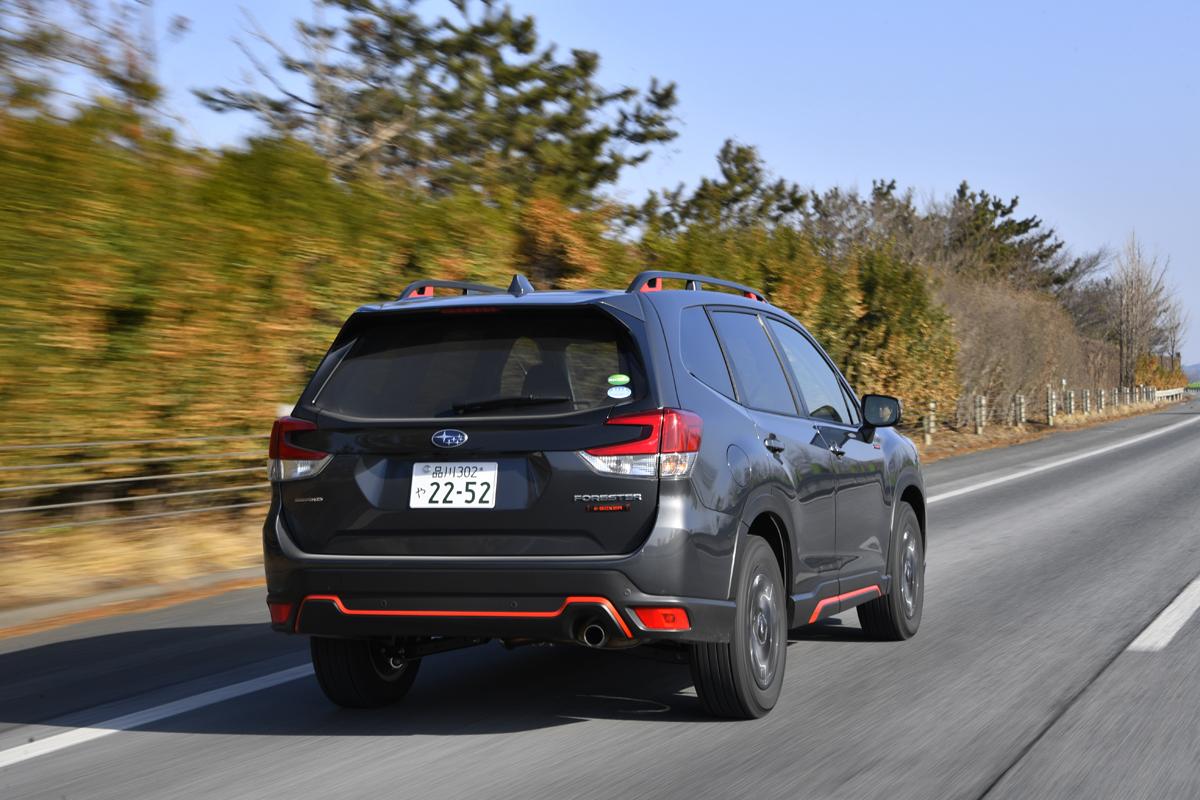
(532, 362)
(760, 380)
(819, 386)
(702, 354)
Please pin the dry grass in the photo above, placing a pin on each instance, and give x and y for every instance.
(54, 565)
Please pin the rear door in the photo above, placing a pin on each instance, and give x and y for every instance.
(806, 476)
(863, 517)
(457, 432)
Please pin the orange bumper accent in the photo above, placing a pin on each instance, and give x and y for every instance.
(603, 602)
(828, 601)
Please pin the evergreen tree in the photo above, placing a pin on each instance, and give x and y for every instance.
(475, 102)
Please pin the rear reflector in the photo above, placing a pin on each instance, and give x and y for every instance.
(668, 618)
(280, 612)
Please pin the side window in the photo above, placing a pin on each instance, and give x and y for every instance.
(760, 380)
(819, 386)
(852, 407)
(701, 354)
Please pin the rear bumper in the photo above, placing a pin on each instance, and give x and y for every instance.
(546, 601)
(536, 617)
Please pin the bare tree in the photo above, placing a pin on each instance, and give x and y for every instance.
(1144, 303)
(1174, 326)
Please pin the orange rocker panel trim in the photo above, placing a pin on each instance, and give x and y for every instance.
(368, 612)
(828, 601)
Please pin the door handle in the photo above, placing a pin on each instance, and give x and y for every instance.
(834, 447)
(773, 443)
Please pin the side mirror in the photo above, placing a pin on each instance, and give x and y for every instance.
(880, 411)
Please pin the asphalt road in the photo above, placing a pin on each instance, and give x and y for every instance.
(1019, 684)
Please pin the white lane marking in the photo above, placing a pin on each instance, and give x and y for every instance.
(1158, 634)
(1062, 462)
(59, 741)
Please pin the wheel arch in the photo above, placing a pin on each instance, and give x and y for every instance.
(768, 525)
(914, 495)
(764, 516)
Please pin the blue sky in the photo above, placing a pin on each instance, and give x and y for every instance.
(1088, 111)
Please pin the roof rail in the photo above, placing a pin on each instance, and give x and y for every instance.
(519, 286)
(651, 281)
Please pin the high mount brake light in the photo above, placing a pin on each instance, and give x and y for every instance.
(289, 462)
(666, 448)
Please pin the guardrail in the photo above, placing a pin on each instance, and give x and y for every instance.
(1054, 404)
(80, 483)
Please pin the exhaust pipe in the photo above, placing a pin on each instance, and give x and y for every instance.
(594, 635)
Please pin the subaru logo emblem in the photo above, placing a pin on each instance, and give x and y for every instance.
(449, 437)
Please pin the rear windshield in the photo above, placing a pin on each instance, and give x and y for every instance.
(527, 362)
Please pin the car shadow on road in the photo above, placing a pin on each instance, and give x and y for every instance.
(828, 630)
(475, 690)
(486, 689)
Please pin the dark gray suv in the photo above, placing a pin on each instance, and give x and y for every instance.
(681, 467)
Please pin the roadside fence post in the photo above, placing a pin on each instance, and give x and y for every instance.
(1020, 411)
(1049, 405)
(929, 423)
(1087, 402)
(978, 415)
(1099, 401)
(1071, 403)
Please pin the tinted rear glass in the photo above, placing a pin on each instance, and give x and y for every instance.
(701, 354)
(531, 362)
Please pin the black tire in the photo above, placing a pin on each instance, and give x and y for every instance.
(741, 679)
(897, 615)
(356, 673)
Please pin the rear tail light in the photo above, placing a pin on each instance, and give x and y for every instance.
(666, 446)
(668, 618)
(289, 462)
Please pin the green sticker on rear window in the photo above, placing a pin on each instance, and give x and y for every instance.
(619, 379)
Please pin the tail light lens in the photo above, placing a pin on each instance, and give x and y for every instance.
(289, 462)
(666, 448)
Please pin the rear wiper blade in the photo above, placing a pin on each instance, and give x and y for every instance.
(507, 402)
